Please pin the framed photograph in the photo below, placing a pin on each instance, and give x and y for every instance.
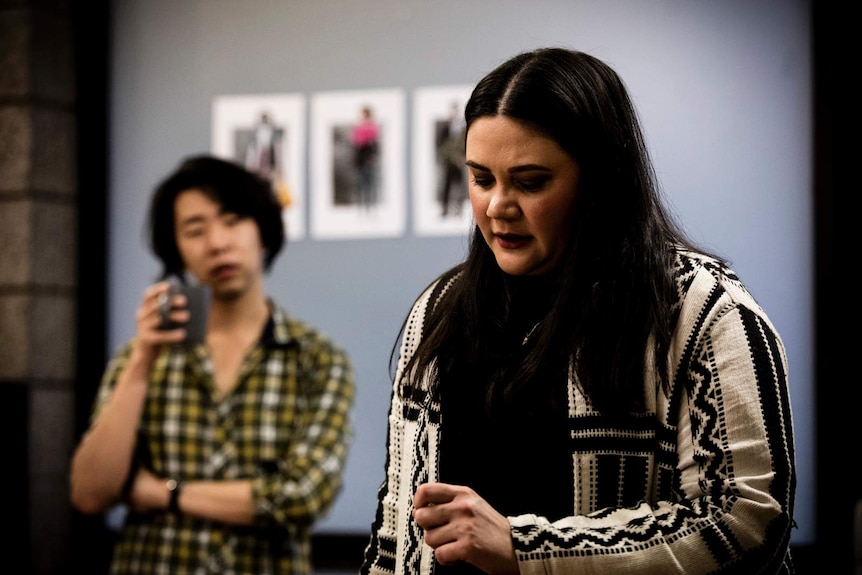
(357, 164)
(441, 204)
(266, 133)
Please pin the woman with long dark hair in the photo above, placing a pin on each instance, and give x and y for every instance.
(589, 391)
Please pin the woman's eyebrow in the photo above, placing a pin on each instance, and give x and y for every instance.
(513, 170)
(529, 168)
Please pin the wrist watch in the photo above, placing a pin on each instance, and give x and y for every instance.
(174, 487)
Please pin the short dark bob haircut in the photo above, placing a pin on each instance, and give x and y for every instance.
(234, 188)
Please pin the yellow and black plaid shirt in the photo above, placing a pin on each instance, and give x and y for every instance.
(285, 425)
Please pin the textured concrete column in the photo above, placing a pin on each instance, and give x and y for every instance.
(38, 228)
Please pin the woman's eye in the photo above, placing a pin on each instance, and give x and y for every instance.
(532, 185)
(483, 182)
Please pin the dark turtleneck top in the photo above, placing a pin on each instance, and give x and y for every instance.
(515, 455)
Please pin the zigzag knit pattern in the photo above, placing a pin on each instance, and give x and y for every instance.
(702, 482)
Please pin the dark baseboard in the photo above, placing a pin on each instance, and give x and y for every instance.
(338, 551)
(807, 560)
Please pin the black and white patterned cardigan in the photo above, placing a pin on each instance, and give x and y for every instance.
(704, 482)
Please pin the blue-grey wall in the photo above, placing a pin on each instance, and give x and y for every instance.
(723, 88)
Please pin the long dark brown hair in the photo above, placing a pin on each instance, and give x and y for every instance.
(615, 286)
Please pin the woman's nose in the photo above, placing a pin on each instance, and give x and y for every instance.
(503, 204)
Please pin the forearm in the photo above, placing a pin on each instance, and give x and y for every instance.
(102, 461)
(228, 501)
(224, 501)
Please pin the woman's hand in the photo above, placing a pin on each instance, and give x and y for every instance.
(461, 526)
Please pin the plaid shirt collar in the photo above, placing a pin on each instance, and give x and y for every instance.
(277, 332)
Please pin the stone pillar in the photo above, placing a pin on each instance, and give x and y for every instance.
(38, 267)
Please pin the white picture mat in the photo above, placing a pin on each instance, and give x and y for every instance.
(234, 113)
(333, 110)
(431, 105)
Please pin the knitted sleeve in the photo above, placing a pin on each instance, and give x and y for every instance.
(721, 482)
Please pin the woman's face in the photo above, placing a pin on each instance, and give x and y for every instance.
(523, 188)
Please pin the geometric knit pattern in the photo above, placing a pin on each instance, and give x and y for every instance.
(703, 481)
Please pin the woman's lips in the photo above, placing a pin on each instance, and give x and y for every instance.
(511, 241)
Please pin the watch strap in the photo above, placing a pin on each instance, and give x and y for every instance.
(174, 487)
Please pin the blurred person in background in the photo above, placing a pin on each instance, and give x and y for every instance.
(226, 450)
